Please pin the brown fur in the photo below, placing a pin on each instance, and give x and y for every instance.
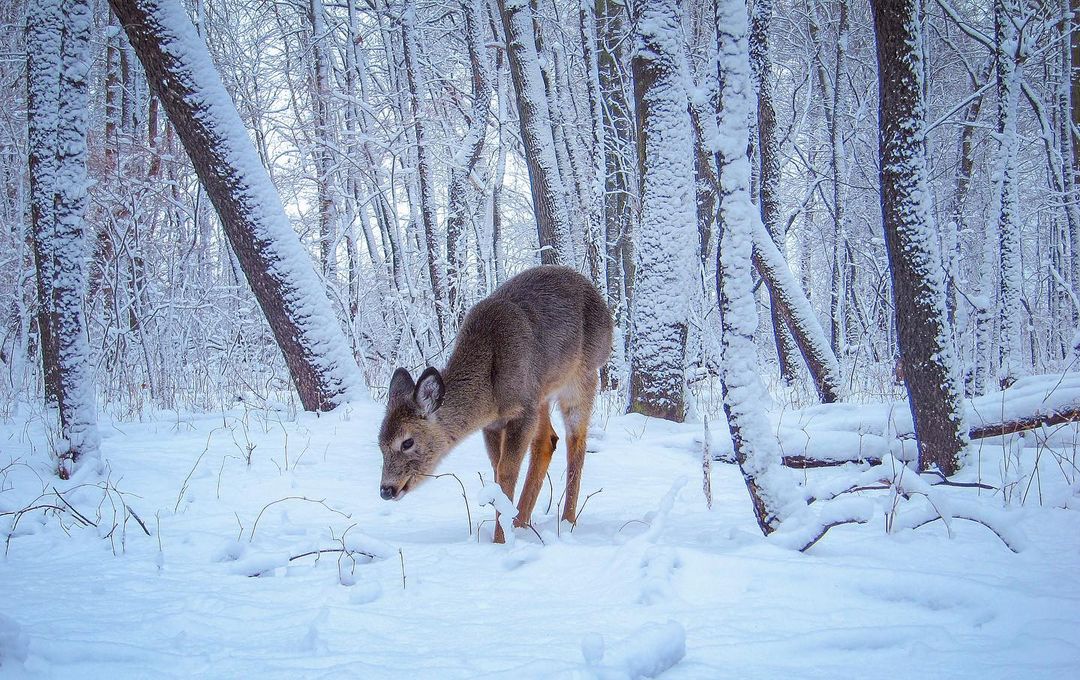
(541, 337)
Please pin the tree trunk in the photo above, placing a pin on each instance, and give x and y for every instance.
(769, 172)
(280, 272)
(461, 195)
(58, 61)
(619, 172)
(548, 191)
(1007, 196)
(323, 142)
(926, 350)
(424, 172)
(44, 26)
(666, 235)
(744, 394)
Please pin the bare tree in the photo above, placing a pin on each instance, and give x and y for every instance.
(278, 269)
(534, 114)
(926, 349)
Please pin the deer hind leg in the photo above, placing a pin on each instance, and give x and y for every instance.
(515, 440)
(543, 446)
(576, 410)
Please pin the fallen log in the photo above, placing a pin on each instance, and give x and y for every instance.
(870, 431)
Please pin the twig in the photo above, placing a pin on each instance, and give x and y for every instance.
(137, 519)
(401, 556)
(72, 508)
(332, 550)
(1008, 545)
(825, 528)
(251, 536)
(468, 513)
(582, 508)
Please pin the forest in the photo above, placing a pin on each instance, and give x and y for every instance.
(838, 242)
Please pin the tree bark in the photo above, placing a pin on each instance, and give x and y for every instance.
(58, 74)
(666, 235)
(280, 272)
(926, 350)
(424, 172)
(1007, 196)
(744, 394)
(548, 190)
(768, 185)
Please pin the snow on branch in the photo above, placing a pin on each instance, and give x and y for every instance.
(834, 434)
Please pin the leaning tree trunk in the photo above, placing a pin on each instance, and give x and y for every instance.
(548, 191)
(667, 243)
(926, 349)
(58, 70)
(275, 263)
(769, 172)
(744, 394)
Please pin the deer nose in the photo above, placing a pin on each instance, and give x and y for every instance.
(387, 492)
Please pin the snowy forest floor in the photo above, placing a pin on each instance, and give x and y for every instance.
(230, 496)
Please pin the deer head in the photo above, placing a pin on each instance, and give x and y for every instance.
(412, 439)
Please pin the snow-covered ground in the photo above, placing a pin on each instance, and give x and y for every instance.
(650, 581)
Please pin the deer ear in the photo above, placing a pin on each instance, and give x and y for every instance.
(429, 391)
(401, 385)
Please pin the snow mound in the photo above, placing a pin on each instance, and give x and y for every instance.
(645, 653)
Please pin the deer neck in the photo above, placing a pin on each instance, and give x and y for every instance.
(466, 407)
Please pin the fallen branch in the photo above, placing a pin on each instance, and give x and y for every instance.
(331, 550)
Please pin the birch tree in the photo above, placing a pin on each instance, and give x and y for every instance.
(667, 233)
(58, 71)
(926, 349)
(279, 271)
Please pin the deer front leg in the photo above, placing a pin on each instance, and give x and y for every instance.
(515, 440)
(541, 450)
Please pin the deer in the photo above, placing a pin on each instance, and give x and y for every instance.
(540, 337)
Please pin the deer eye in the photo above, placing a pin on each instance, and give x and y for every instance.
(407, 444)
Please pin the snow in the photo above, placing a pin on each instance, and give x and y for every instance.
(648, 582)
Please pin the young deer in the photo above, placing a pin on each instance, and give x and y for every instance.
(541, 337)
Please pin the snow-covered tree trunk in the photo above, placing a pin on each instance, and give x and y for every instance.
(1009, 75)
(744, 395)
(769, 172)
(44, 26)
(794, 307)
(619, 171)
(1074, 137)
(926, 349)
(424, 171)
(58, 75)
(280, 272)
(839, 290)
(461, 197)
(324, 141)
(667, 232)
(534, 115)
